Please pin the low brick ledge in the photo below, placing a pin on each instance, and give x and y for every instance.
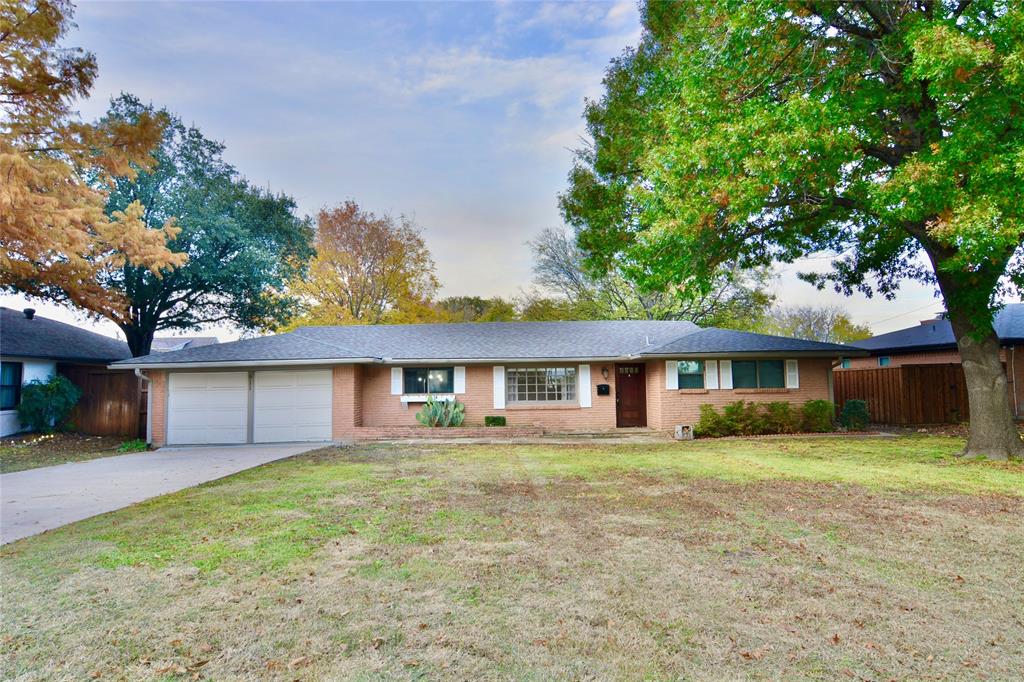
(401, 432)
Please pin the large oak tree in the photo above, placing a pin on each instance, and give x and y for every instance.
(890, 134)
(244, 244)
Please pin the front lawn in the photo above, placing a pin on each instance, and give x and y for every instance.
(818, 558)
(30, 451)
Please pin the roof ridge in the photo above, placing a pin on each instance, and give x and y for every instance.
(693, 331)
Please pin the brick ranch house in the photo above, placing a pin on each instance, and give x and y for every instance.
(335, 383)
(932, 343)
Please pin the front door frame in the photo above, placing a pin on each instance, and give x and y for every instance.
(641, 379)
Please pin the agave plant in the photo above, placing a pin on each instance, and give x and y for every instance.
(441, 413)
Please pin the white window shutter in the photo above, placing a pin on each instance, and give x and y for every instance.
(499, 387)
(459, 383)
(584, 385)
(792, 374)
(726, 370)
(671, 375)
(711, 374)
(396, 381)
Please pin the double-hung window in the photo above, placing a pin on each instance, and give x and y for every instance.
(10, 385)
(758, 374)
(540, 384)
(691, 373)
(424, 380)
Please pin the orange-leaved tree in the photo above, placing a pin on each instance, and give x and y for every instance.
(54, 234)
(369, 269)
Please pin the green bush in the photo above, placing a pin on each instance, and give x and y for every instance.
(46, 406)
(780, 417)
(855, 415)
(441, 413)
(494, 421)
(818, 416)
(753, 419)
(711, 424)
(137, 445)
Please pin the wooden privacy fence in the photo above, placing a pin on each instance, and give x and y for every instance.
(113, 403)
(908, 394)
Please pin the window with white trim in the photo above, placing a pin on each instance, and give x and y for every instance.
(424, 380)
(691, 373)
(540, 384)
(884, 360)
(846, 363)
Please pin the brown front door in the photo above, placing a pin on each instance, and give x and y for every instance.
(630, 395)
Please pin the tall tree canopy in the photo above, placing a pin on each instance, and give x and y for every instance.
(369, 269)
(826, 323)
(878, 131)
(734, 299)
(244, 244)
(55, 238)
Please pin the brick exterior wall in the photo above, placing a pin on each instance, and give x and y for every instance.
(158, 406)
(673, 407)
(363, 407)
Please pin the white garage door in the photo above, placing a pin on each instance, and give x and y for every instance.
(292, 406)
(207, 407)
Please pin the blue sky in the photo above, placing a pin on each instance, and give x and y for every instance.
(459, 114)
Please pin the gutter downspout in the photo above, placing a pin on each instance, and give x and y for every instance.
(149, 406)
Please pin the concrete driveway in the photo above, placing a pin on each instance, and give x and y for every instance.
(49, 497)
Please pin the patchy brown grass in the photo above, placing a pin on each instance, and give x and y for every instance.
(18, 453)
(501, 563)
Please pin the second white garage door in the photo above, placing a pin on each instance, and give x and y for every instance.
(291, 406)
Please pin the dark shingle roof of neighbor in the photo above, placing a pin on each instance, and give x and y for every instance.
(169, 343)
(44, 338)
(938, 334)
(488, 341)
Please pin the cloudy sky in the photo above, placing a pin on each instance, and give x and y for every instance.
(458, 114)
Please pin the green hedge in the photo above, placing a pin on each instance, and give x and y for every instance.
(46, 406)
(855, 415)
(494, 421)
(753, 419)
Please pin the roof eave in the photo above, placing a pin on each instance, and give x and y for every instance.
(216, 364)
(852, 353)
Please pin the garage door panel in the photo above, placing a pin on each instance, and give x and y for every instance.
(292, 406)
(207, 407)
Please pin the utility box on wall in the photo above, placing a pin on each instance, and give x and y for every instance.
(604, 389)
(684, 432)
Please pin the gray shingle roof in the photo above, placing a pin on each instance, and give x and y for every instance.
(938, 334)
(713, 340)
(169, 343)
(489, 341)
(44, 338)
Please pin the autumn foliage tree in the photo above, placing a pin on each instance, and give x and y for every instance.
(55, 238)
(369, 269)
(887, 134)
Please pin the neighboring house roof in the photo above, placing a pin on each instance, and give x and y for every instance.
(937, 334)
(487, 342)
(40, 337)
(169, 343)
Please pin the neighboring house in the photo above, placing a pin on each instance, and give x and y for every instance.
(168, 343)
(35, 348)
(932, 343)
(331, 383)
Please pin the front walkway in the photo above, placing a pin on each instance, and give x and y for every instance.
(49, 497)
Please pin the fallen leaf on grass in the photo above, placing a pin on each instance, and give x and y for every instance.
(835, 638)
(297, 662)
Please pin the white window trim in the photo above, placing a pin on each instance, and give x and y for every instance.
(459, 380)
(396, 381)
(792, 374)
(499, 387)
(725, 369)
(583, 385)
(671, 375)
(711, 374)
(422, 397)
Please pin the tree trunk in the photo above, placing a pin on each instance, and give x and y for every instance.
(139, 340)
(993, 429)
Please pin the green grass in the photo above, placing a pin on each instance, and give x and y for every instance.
(737, 559)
